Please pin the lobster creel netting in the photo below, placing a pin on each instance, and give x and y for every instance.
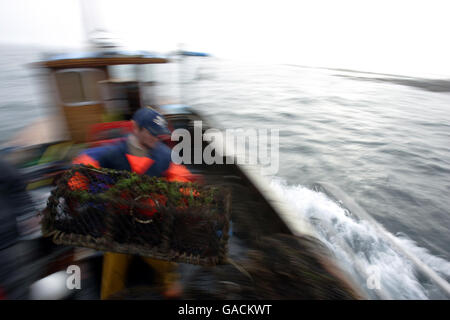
(123, 212)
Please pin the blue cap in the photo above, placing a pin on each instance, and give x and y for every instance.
(151, 120)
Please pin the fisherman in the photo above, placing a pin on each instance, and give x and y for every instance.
(144, 153)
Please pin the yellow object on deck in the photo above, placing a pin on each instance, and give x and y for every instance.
(55, 152)
(39, 184)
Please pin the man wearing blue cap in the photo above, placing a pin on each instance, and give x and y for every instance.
(142, 152)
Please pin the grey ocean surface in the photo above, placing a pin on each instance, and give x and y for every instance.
(386, 145)
(382, 139)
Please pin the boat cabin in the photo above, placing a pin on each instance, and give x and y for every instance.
(98, 87)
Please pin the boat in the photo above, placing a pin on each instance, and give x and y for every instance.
(95, 95)
(88, 94)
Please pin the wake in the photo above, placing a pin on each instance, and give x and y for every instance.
(361, 251)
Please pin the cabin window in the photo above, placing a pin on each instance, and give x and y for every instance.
(79, 85)
(125, 72)
(158, 83)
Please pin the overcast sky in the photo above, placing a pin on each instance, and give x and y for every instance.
(407, 37)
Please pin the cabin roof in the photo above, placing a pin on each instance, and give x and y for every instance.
(101, 59)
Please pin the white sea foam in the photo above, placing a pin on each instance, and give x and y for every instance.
(360, 249)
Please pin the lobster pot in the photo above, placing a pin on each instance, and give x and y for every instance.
(119, 211)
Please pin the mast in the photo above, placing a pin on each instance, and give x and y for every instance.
(97, 34)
